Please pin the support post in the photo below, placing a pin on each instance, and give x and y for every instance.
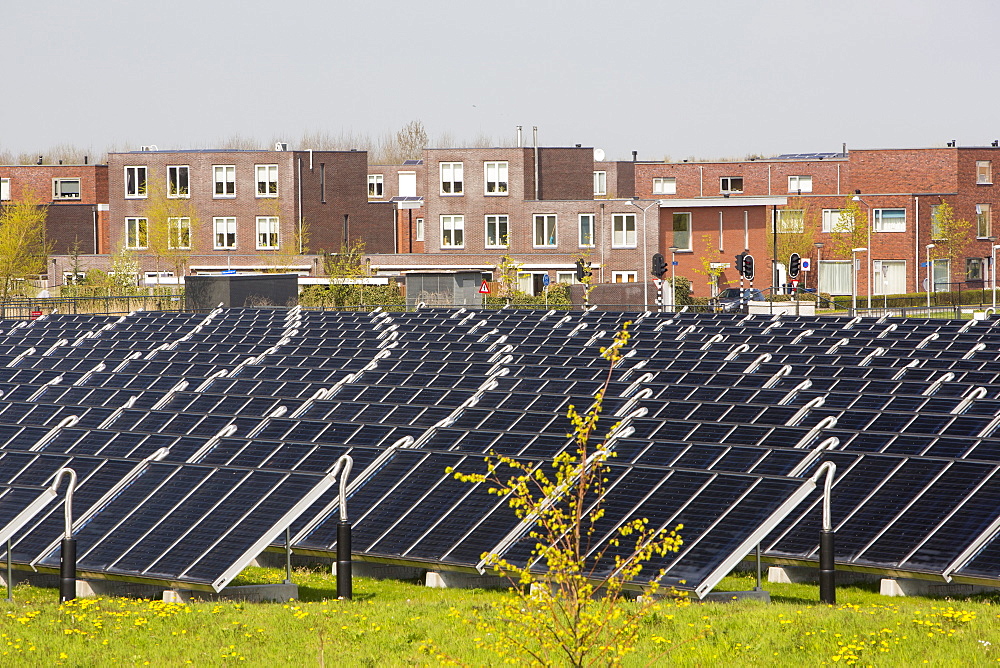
(10, 574)
(67, 556)
(344, 576)
(827, 569)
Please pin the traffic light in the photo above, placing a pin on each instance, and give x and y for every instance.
(747, 266)
(659, 266)
(582, 270)
(739, 263)
(794, 265)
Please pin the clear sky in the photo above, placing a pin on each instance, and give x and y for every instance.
(667, 78)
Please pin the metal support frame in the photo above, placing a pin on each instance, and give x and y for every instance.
(67, 558)
(827, 565)
(344, 575)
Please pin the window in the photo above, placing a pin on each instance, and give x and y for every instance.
(407, 184)
(178, 181)
(419, 232)
(889, 278)
(731, 184)
(682, 231)
(65, 188)
(566, 277)
(623, 277)
(890, 220)
(452, 231)
(791, 221)
(4, 190)
(267, 180)
(835, 277)
(451, 178)
(496, 178)
(665, 186)
(623, 230)
(376, 186)
(984, 222)
(135, 233)
(135, 182)
(974, 269)
(600, 183)
(545, 229)
(937, 228)
(225, 233)
(942, 275)
(803, 184)
(179, 233)
(984, 172)
(225, 180)
(267, 232)
(834, 221)
(497, 232)
(586, 239)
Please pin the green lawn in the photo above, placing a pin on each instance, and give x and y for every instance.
(388, 622)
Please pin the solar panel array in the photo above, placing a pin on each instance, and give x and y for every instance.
(199, 440)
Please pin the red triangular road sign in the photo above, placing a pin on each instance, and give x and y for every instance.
(484, 289)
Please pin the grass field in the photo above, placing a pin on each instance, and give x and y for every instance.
(388, 622)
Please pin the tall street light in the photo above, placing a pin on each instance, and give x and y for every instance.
(819, 254)
(854, 275)
(930, 280)
(993, 268)
(645, 262)
(868, 273)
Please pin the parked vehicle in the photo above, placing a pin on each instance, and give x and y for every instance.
(731, 300)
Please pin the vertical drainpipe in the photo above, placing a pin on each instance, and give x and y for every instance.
(519, 142)
(603, 245)
(916, 246)
(299, 195)
(769, 178)
(838, 179)
(701, 181)
(534, 131)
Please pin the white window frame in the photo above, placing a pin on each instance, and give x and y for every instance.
(945, 284)
(624, 277)
(880, 223)
(495, 178)
(59, 184)
(418, 233)
(266, 176)
(549, 230)
(791, 221)
(586, 228)
(453, 231)
(4, 190)
(665, 185)
(224, 180)
(823, 276)
(984, 172)
(979, 262)
(136, 182)
(136, 233)
(681, 215)
(566, 277)
(600, 183)
(802, 184)
(726, 184)
(833, 221)
(179, 231)
(452, 179)
(268, 231)
(501, 236)
(174, 189)
(624, 230)
(376, 186)
(984, 221)
(898, 268)
(223, 226)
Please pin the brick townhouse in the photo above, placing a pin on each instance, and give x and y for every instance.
(712, 205)
(77, 200)
(245, 210)
(546, 207)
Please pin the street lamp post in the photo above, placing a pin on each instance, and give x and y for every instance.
(854, 278)
(673, 285)
(819, 254)
(993, 269)
(930, 280)
(645, 259)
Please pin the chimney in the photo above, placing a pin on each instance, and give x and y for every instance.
(519, 142)
(635, 155)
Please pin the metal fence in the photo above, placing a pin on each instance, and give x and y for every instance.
(27, 309)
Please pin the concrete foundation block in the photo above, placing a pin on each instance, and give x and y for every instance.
(732, 596)
(806, 575)
(913, 587)
(278, 593)
(367, 569)
(95, 588)
(456, 580)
